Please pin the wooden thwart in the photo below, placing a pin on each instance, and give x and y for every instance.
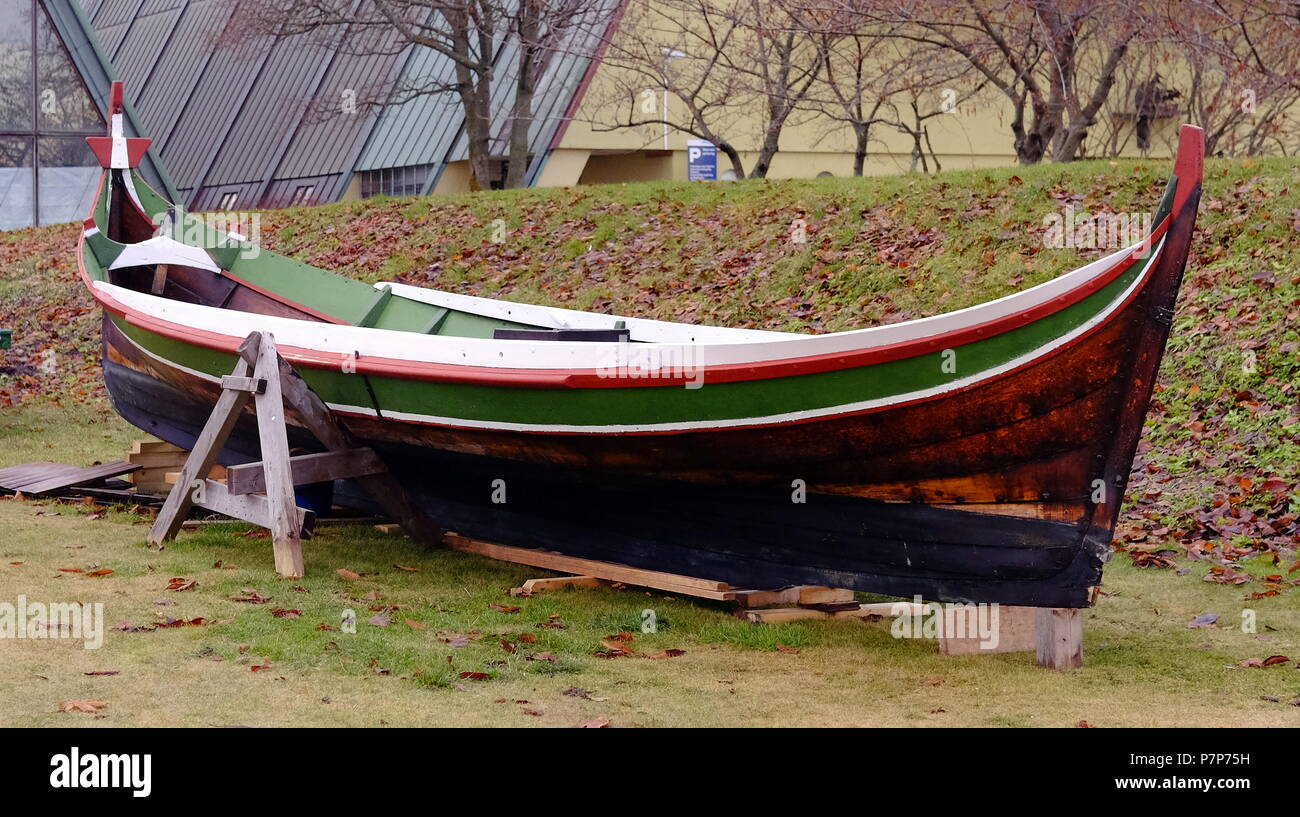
(264, 377)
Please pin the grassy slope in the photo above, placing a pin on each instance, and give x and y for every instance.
(878, 250)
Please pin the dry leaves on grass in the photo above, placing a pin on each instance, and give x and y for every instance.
(1203, 620)
(280, 612)
(182, 622)
(1262, 663)
(179, 584)
(1155, 559)
(616, 646)
(1227, 575)
(90, 707)
(251, 596)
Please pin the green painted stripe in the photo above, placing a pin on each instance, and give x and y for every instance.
(675, 404)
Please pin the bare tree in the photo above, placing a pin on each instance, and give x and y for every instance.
(720, 62)
(469, 33)
(783, 62)
(1242, 60)
(1032, 52)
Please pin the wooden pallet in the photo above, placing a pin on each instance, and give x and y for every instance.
(1055, 635)
(158, 461)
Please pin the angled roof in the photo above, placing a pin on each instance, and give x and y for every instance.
(98, 74)
(262, 117)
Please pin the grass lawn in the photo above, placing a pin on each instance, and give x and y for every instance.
(1214, 483)
(1144, 667)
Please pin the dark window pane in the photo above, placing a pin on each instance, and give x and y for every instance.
(16, 65)
(68, 178)
(62, 99)
(15, 182)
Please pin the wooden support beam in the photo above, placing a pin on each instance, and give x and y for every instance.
(309, 468)
(777, 615)
(275, 388)
(253, 508)
(1016, 629)
(255, 385)
(669, 582)
(1060, 637)
(803, 594)
(206, 448)
(382, 488)
(286, 535)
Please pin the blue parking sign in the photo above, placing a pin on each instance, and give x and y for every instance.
(701, 161)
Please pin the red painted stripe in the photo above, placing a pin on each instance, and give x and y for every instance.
(1189, 163)
(568, 378)
(979, 384)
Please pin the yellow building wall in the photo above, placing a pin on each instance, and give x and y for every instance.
(976, 134)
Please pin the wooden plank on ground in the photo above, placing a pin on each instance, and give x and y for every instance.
(344, 463)
(44, 477)
(559, 582)
(685, 585)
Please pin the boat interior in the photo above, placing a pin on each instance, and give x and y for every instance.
(132, 248)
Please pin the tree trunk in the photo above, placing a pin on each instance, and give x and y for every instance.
(861, 133)
(771, 141)
(733, 155)
(473, 86)
(521, 114)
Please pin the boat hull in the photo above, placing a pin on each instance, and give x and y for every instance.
(996, 501)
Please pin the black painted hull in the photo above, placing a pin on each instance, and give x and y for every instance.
(750, 536)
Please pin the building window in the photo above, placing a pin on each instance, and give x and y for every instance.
(227, 201)
(47, 173)
(302, 195)
(395, 181)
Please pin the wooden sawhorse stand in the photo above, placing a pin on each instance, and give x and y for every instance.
(263, 376)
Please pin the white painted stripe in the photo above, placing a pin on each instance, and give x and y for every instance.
(587, 356)
(771, 419)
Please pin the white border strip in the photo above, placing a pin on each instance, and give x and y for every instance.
(579, 356)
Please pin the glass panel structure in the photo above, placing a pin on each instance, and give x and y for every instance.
(16, 75)
(16, 158)
(67, 178)
(47, 173)
(63, 102)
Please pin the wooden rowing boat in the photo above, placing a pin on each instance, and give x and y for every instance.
(979, 455)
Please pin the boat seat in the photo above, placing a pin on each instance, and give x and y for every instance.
(371, 316)
(595, 335)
